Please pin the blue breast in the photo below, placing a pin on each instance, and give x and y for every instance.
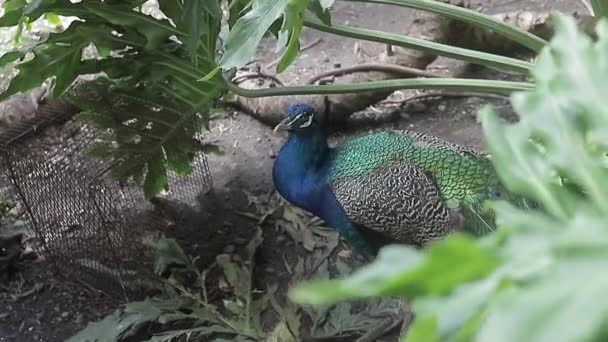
(300, 176)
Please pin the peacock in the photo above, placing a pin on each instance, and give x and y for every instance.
(385, 187)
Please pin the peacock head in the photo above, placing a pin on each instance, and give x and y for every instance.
(300, 118)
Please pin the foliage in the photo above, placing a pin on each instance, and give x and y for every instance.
(143, 59)
(187, 308)
(600, 8)
(161, 75)
(539, 277)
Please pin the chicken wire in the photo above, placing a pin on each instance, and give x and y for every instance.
(89, 227)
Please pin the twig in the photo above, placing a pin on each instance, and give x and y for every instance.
(445, 94)
(257, 74)
(302, 49)
(388, 68)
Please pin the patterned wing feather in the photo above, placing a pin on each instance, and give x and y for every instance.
(398, 200)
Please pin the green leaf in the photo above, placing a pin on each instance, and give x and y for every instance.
(293, 20)
(558, 307)
(402, 271)
(570, 136)
(9, 57)
(11, 18)
(320, 8)
(423, 330)
(172, 9)
(156, 175)
(58, 60)
(167, 253)
(155, 31)
(53, 19)
(192, 17)
(14, 5)
(237, 8)
(600, 8)
(213, 8)
(249, 30)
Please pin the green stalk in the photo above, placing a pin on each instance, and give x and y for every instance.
(472, 56)
(454, 84)
(474, 18)
(600, 8)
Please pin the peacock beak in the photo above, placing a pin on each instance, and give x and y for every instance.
(284, 125)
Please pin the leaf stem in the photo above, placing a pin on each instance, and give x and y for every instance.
(473, 56)
(600, 8)
(472, 17)
(455, 84)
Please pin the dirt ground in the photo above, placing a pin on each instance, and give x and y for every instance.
(51, 309)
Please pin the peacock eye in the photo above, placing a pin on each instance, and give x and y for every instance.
(308, 122)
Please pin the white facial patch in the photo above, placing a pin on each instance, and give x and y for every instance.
(294, 119)
(307, 123)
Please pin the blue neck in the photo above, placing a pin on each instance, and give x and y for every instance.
(299, 165)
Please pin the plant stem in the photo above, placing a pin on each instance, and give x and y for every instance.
(600, 8)
(473, 56)
(477, 19)
(454, 84)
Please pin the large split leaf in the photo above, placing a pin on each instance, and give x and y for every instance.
(151, 101)
(293, 19)
(246, 34)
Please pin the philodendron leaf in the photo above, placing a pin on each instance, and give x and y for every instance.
(155, 31)
(59, 60)
(320, 8)
(290, 32)
(13, 5)
(192, 17)
(246, 34)
(9, 57)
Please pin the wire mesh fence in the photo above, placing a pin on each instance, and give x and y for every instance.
(88, 226)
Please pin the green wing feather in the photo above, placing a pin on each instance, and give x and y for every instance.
(462, 178)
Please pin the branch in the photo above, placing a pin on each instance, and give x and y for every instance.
(388, 68)
(257, 74)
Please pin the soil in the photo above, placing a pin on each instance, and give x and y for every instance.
(52, 309)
